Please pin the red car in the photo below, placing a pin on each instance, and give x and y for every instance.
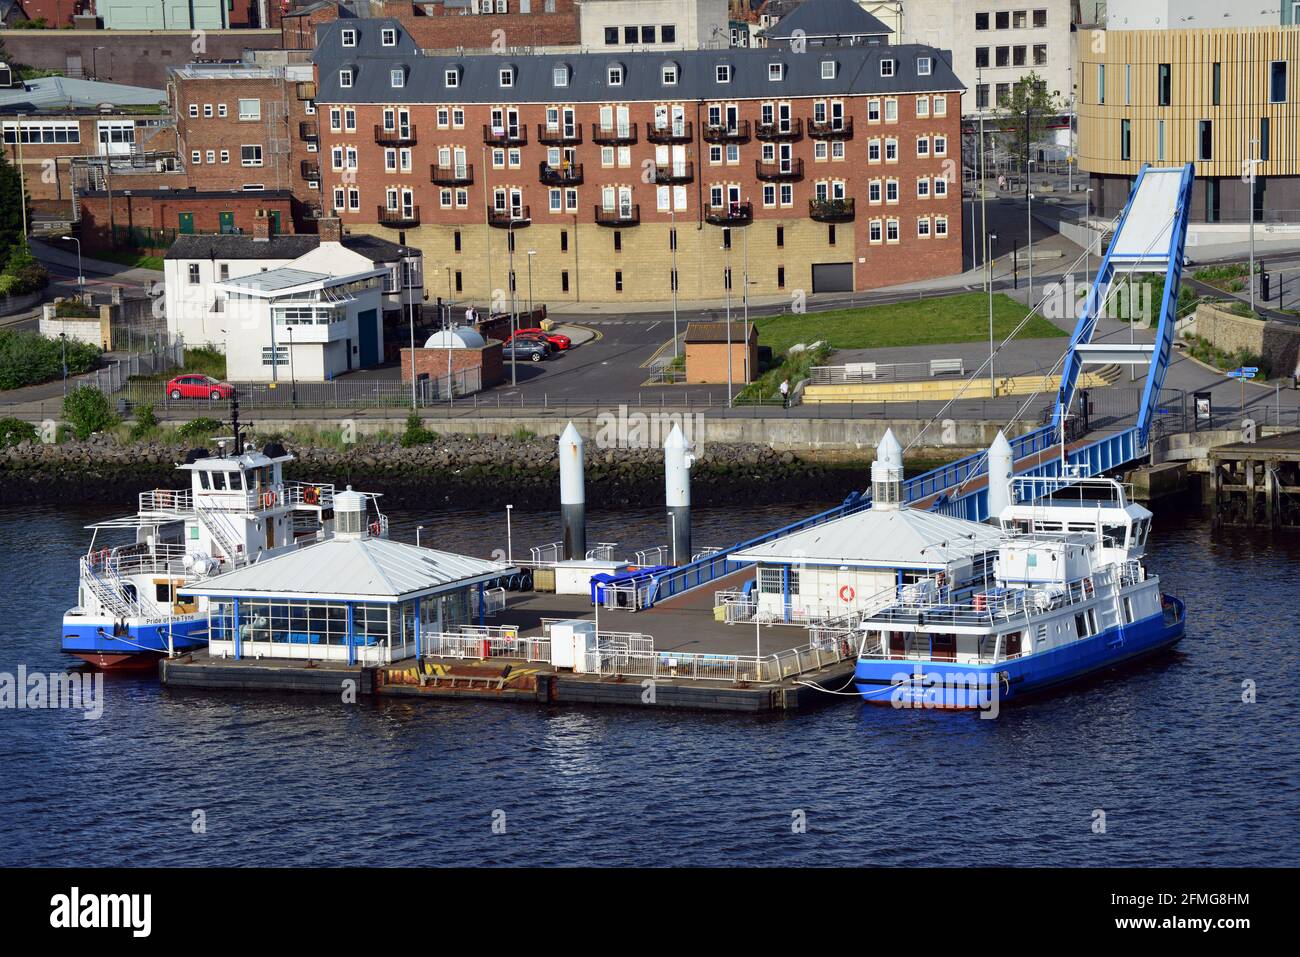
(557, 340)
(198, 387)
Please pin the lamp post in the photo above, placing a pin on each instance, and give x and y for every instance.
(984, 202)
(1250, 281)
(672, 219)
(410, 308)
(990, 239)
(745, 276)
(293, 380)
(81, 277)
(510, 546)
(727, 248)
(510, 253)
(531, 254)
(63, 344)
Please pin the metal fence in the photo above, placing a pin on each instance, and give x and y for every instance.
(614, 658)
(859, 373)
(117, 374)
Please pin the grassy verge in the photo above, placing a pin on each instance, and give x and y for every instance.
(1230, 277)
(202, 360)
(792, 365)
(1211, 354)
(931, 321)
(134, 258)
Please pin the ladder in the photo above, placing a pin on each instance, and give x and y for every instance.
(108, 594)
(218, 527)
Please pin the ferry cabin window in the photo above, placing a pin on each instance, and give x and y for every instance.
(1081, 625)
(1112, 536)
(162, 592)
(1129, 617)
(203, 480)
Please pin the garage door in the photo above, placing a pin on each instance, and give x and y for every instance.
(832, 277)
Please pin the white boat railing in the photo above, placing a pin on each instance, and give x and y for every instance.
(617, 659)
(484, 645)
(167, 500)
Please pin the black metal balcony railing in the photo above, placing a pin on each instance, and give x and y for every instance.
(779, 130)
(619, 215)
(674, 173)
(733, 214)
(509, 136)
(517, 218)
(779, 170)
(566, 174)
(831, 210)
(399, 218)
(310, 170)
(559, 135)
(833, 129)
(397, 136)
(672, 133)
(308, 130)
(452, 175)
(616, 135)
(737, 132)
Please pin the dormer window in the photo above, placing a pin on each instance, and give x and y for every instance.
(349, 38)
(506, 76)
(722, 73)
(669, 74)
(886, 67)
(614, 75)
(923, 66)
(560, 76)
(451, 78)
(775, 71)
(388, 37)
(828, 69)
(397, 78)
(345, 78)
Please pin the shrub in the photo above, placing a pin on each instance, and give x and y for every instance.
(416, 433)
(145, 421)
(87, 411)
(16, 431)
(200, 428)
(205, 360)
(25, 272)
(75, 309)
(27, 358)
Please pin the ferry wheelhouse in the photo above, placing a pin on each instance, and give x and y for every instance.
(237, 511)
(1063, 596)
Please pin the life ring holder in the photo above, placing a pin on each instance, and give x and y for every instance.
(847, 593)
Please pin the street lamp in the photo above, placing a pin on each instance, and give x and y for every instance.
(510, 545)
(672, 219)
(991, 238)
(402, 291)
(727, 247)
(510, 255)
(1250, 281)
(531, 254)
(81, 277)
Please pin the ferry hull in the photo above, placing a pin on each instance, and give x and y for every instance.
(137, 648)
(962, 686)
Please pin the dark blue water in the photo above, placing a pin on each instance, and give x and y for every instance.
(1184, 771)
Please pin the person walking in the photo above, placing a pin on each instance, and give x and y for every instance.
(785, 393)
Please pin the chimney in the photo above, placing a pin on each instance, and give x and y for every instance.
(330, 229)
(261, 226)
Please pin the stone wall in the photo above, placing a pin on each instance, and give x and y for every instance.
(1277, 343)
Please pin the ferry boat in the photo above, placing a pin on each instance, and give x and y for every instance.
(237, 511)
(1064, 596)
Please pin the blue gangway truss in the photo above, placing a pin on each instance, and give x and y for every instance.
(1150, 238)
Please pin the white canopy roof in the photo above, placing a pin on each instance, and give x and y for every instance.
(354, 569)
(879, 538)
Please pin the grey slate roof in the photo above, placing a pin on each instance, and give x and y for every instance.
(857, 72)
(827, 18)
(64, 93)
(244, 246)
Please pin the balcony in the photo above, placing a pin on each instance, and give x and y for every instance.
(674, 173)
(559, 135)
(737, 132)
(733, 214)
(306, 90)
(452, 175)
(399, 136)
(786, 171)
(675, 133)
(399, 218)
(617, 135)
(831, 210)
(781, 130)
(839, 128)
(310, 170)
(507, 136)
(566, 174)
(619, 216)
(517, 218)
(308, 130)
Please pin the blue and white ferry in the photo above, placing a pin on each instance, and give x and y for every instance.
(1065, 596)
(237, 511)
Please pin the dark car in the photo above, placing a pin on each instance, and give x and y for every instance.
(534, 350)
(198, 387)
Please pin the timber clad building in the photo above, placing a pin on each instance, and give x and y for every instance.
(830, 169)
(1194, 96)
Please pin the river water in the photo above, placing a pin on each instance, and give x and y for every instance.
(1184, 771)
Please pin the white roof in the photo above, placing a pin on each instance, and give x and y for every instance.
(462, 337)
(880, 538)
(358, 569)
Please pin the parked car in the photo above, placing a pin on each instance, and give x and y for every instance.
(198, 387)
(534, 350)
(559, 340)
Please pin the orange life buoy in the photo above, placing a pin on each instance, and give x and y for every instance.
(311, 495)
(847, 593)
(268, 499)
(374, 528)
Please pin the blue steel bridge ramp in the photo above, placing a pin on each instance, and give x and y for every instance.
(1150, 239)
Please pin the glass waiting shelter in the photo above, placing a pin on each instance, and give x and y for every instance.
(352, 598)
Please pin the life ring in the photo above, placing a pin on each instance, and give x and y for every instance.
(268, 499)
(311, 495)
(374, 528)
(847, 593)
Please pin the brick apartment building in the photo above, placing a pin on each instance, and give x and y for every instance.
(154, 218)
(826, 170)
(250, 127)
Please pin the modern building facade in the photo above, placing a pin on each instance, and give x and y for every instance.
(995, 43)
(626, 173)
(1191, 14)
(652, 24)
(1215, 98)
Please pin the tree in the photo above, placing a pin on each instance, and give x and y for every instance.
(11, 209)
(1025, 116)
(87, 411)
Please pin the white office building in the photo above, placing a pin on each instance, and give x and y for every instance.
(652, 24)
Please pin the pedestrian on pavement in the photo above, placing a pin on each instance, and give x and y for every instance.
(785, 393)
(470, 315)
